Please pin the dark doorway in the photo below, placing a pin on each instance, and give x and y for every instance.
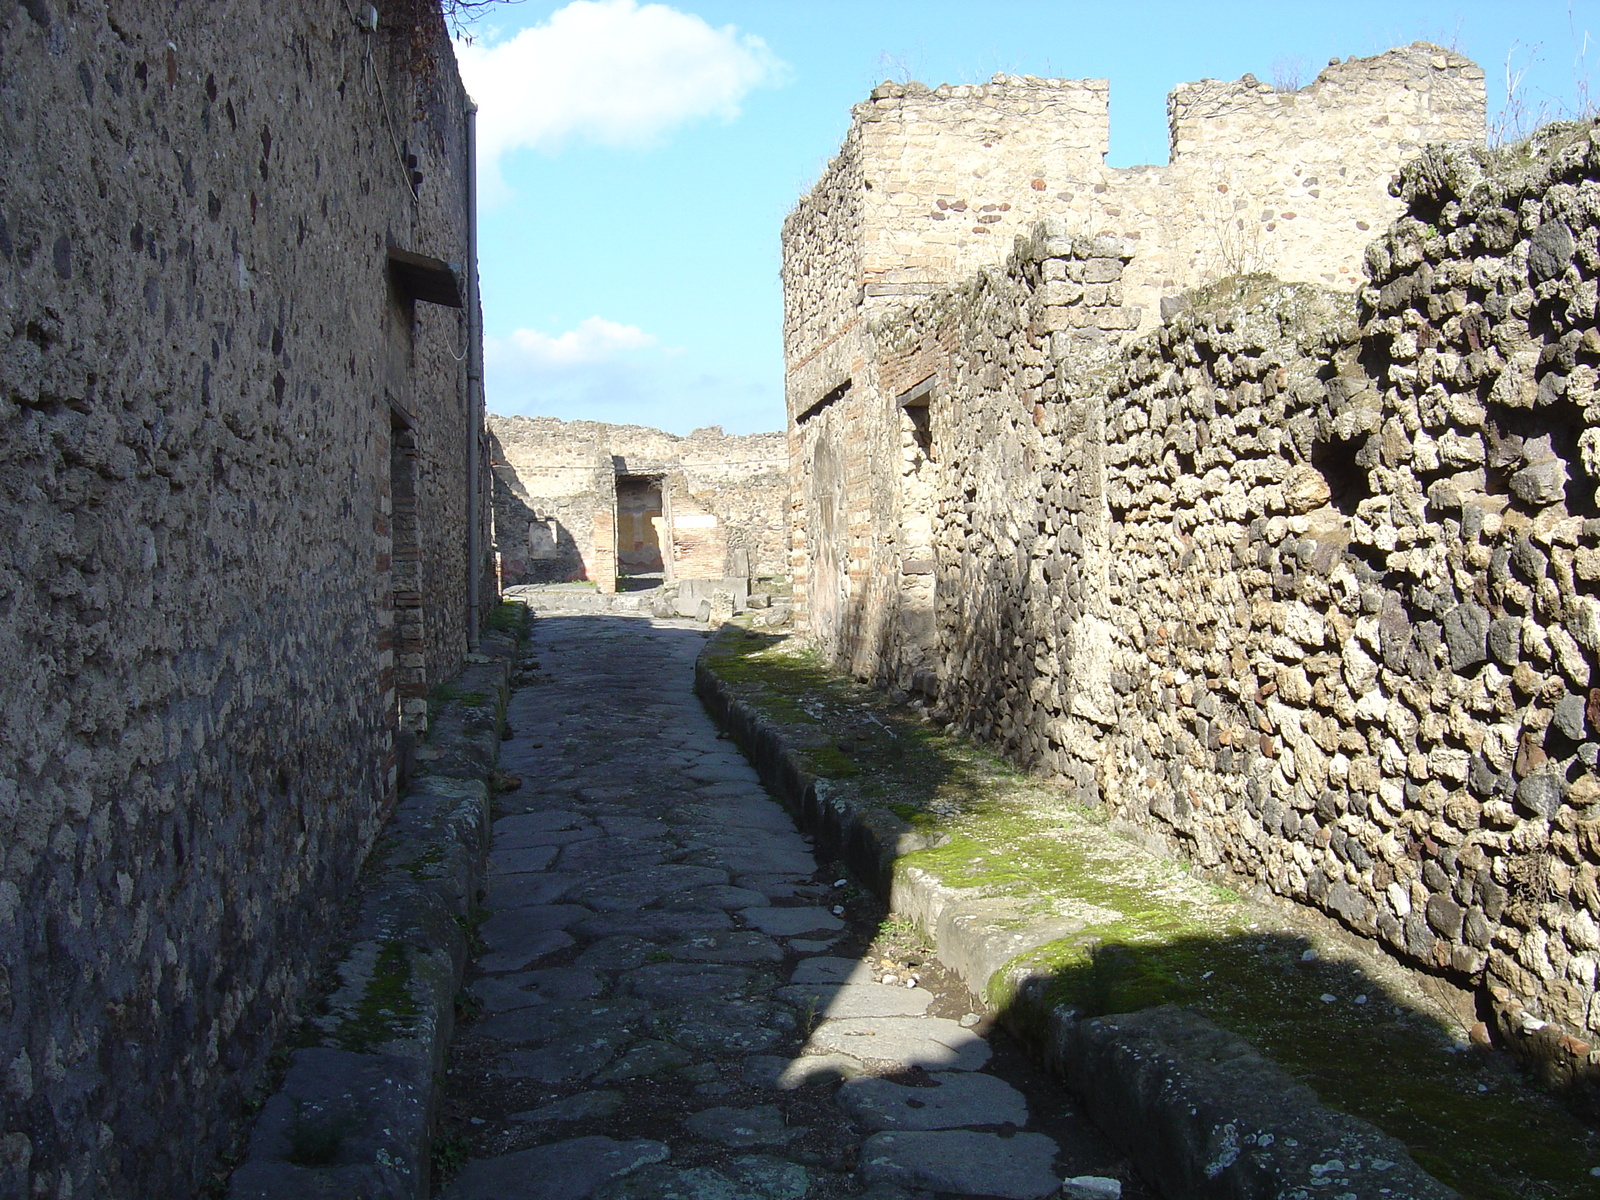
(640, 520)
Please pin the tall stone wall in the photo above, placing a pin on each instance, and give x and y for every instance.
(1302, 584)
(932, 184)
(233, 472)
(555, 498)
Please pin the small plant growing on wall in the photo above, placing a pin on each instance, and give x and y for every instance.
(1232, 237)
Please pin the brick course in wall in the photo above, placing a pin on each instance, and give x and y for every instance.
(220, 574)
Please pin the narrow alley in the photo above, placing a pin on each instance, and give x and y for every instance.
(678, 1001)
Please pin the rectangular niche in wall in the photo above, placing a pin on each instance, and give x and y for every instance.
(640, 521)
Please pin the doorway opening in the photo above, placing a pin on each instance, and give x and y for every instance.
(641, 524)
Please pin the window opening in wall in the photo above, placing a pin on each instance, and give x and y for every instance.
(829, 399)
(640, 532)
(918, 426)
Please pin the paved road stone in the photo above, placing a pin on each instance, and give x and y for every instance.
(665, 1004)
(1020, 1167)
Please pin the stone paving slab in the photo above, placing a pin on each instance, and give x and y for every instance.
(1020, 1167)
(661, 1016)
(954, 1100)
(934, 1043)
(786, 922)
(839, 1001)
(563, 1171)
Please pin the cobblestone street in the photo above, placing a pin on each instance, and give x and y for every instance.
(678, 1000)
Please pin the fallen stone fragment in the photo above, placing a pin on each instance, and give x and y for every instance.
(932, 1042)
(966, 1098)
(742, 1127)
(1020, 1167)
(567, 1170)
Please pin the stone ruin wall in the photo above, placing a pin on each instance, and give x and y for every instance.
(1304, 585)
(932, 184)
(199, 356)
(727, 497)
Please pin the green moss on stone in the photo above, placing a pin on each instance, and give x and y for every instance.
(1149, 931)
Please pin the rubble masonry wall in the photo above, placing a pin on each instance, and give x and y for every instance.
(200, 356)
(931, 184)
(1302, 584)
(555, 487)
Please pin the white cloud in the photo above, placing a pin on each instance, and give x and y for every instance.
(595, 340)
(611, 71)
(603, 370)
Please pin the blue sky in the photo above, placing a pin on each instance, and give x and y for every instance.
(638, 158)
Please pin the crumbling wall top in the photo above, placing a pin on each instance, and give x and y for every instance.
(1419, 92)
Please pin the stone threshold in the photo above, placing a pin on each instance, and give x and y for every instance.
(355, 1116)
(1199, 1108)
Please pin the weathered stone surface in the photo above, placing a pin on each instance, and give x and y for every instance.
(1292, 583)
(199, 642)
(686, 981)
(1020, 1167)
(636, 888)
(931, 1042)
(727, 946)
(569, 1170)
(506, 992)
(786, 922)
(1201, 1103)
(583, 1106)
(958, 1099)
(754, 1177)
(663, 1016)
(786, 1074)
(742, 1127)
(857, 1000)
(366, 1114)
(719, 501)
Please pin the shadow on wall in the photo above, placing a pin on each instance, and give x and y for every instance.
(533, 546)
(1366, 1048)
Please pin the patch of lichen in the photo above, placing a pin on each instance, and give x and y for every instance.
(1153, 933)
(422, 866)
(386, 1008)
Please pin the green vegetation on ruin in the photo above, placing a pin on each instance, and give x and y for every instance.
(386, 1009)
(1151, 932)
(508, 617)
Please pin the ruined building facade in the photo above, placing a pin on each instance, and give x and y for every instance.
(1299, 576)
(239, 441)
(587, 501)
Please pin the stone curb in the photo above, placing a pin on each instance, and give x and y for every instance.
(354, 1118)
(1200, 1109)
